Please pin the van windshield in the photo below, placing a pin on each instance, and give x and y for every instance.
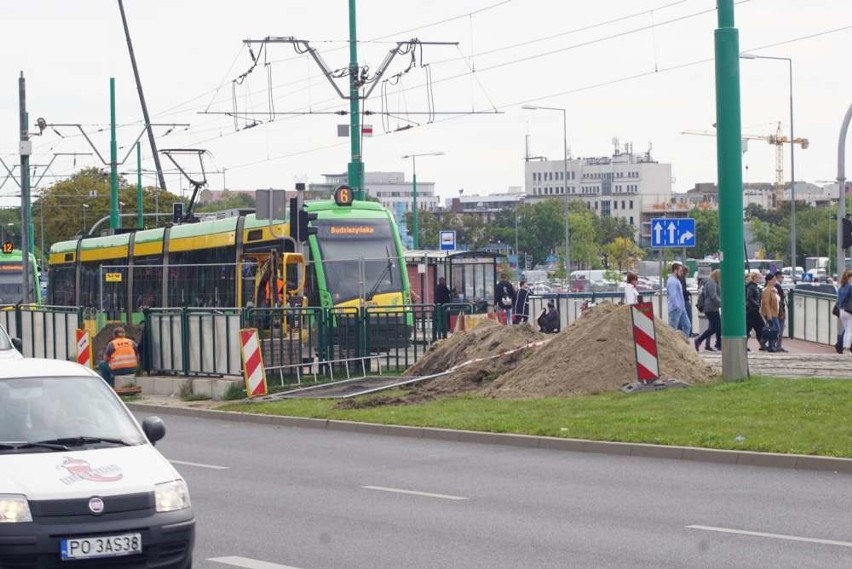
(76, 410)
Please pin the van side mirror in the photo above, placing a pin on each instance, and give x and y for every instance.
(17, 344)
(154, 428)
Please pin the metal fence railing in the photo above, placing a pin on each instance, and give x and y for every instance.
(308, 340)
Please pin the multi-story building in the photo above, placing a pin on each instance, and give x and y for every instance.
(390, 188)
(621, 185)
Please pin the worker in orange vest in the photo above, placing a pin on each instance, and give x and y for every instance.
(121, 357)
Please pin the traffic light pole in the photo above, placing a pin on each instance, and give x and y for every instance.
(841, 193)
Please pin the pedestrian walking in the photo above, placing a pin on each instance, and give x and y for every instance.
(674, 299)
(631, 295)
(712, 307)
(687, 297)
(769, 311)
(754, 321)
(522, 303)
(782, 309)
(504, 298)
(844, 304)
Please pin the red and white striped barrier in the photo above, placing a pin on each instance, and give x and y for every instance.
(84, 349)
(253, 370)
(645, 341)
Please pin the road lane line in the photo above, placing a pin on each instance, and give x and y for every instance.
(248, 563)
(414, 493)
(773, 535)
(199, 465)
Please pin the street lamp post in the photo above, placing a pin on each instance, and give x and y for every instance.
(792, 158)
(565, 180)
(415, 241)
(85, 209)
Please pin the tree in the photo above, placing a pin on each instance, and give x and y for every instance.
(59, 212)
(610, 228)
(623, 252)
(585, 249)
(230, 200)
(707, 233)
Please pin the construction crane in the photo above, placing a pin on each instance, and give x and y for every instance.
(778, 139)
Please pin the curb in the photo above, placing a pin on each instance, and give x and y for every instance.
(745, 458)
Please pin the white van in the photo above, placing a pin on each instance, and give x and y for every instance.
(80, 479)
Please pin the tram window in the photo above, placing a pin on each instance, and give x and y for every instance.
(204, 278)
(147, 282)
(63, 281)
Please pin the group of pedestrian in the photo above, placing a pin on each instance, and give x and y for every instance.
(766, 310)
(515, 306)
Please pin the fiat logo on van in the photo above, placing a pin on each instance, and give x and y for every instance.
(96, 505)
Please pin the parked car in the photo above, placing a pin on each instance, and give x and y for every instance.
(823, 288)
(81, 483)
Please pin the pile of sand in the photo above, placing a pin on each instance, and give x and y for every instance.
(486, 340)
(594, 354)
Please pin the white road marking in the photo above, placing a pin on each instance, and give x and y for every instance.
(199, 465)
(414, 493)
(248, 563)
(773, 535)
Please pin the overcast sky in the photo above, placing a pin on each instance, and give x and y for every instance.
(635, 70)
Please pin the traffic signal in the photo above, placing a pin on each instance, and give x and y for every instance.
(177, 212)
(306, 230)
(847, 233)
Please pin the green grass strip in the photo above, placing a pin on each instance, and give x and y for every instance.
(801, 416)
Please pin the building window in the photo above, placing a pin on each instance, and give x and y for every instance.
(631, 220)
(622, 204)
(615, 204)
(631, 207)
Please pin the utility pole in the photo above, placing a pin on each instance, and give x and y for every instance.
(841, 191)
(114, 217)
(140, 220)
(148, 125)
(729, 167)
(26, 147)
(356, 165)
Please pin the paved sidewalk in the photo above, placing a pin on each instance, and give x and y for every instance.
(802, 359)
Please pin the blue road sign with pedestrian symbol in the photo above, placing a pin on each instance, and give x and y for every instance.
(668, 232)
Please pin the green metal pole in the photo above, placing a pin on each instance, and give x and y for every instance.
(356, 167)
(415, 241)
(26, 150)
(114, 219)
(140, 222)
(729, 167)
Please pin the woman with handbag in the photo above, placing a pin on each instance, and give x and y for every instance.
(844, 304)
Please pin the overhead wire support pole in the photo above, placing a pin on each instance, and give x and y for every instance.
(26, 147)
(357, 79)
(152, 141)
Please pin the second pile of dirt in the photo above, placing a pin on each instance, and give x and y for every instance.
(594, 354)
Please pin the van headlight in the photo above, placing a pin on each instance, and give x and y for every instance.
(171, 496)
(14, 508)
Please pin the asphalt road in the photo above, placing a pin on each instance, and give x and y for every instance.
(272, 498)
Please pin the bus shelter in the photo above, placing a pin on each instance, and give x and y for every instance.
(470, 275)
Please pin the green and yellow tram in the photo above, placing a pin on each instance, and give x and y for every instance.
(353, 258)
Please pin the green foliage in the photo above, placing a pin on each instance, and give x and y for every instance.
(61, 210)
(230, 200)
(623, 252)
(236, 390)
(707, 232)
